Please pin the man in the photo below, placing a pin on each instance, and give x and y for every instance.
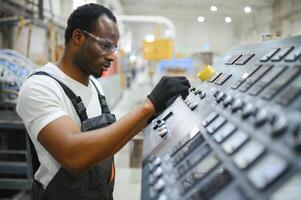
(66, 116)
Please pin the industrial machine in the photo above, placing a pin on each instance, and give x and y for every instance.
(236, 136)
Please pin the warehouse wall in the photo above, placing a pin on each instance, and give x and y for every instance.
(194, 36)
(284, 18)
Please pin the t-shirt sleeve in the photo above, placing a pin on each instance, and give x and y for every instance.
(39, 103)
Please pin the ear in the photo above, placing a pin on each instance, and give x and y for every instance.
(78, 37)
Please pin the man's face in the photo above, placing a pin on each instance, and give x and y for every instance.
(97, 52)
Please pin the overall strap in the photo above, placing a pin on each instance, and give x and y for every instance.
(76, 100)
(102, 100)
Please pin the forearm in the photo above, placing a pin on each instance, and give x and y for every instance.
(89, 148)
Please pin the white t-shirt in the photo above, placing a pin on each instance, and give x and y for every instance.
(42, 100)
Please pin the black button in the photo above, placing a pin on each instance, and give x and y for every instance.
(228, 100)
(209, 119)
(222, 79)
(237, 105)
(294, 55)
(294, 139)
(269, 55)
(279, 126)
(248, 110)
(214, 77)
(216, 124)
(244, 59)
(232, 60)
(216, 93)
(262, 117)
(202, 95)
(281, 54)
(220, 97)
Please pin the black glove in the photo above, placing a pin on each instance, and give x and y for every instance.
(168, 88)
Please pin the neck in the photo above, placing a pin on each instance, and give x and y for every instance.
(67, 64)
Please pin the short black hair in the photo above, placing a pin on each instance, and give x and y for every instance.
(84, 17)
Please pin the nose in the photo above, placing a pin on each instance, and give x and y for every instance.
(110, 56)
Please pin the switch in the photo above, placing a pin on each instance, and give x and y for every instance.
(228, 100)
(220, 97)
(209, 119)
(279, 126)
(206, 73)
(163, 132)
(295, 137)
(266, 171)
(202, 95)
(262, 117)
(248, 110)
(160, 185)
(237, 105)
(158, 172)
(157, 161)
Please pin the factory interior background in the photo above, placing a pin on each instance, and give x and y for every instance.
(157, 37)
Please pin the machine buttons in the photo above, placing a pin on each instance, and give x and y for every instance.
(280, 82)
(281, 54)
(291, 93)
(162, 197)
(294, 55)
(160, 185)
(158, 172)
(209, 119)
(192, 104)
(248, 110)
(232, 60)
(203, 151)
(262, 117)
(160, 127)
(244, 59)
(211, 186)
(216, 93)
(248, 154)
(187, 149)
(254, 77)
(215, 76)
(244, 77)
(266, 79)
(222, 79)
(290, 190)
(294, 139)
(228, 100)
(206, 73)
(266, 171)
(237, 139)
(224, 132)
(219, 97)
(237, 105)
(270, 54)
(163, 131)
(202, 95)
(216, 124)
(200, 171)
(279, 126)
(157, 161)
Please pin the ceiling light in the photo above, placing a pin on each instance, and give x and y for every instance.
(213, 8)
(149, 38)
(247, 9)
(228, 19)
(201, 19)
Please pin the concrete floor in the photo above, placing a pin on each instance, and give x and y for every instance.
(128, 180)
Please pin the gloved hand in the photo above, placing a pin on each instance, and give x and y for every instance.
(166, 89)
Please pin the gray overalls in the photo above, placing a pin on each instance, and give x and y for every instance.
(95, 184)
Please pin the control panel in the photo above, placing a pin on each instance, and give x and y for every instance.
(236, 136)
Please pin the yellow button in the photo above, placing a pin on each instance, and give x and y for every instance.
(206, 73)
